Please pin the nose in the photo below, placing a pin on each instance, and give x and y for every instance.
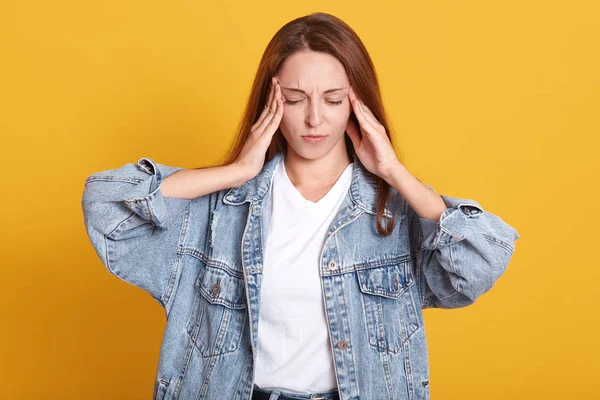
(314, 116)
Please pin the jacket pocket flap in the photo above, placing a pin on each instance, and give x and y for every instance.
(219, 287)
(388, 280)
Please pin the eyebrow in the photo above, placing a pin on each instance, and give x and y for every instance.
(325, 92)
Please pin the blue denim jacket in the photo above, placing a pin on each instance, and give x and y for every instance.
(202, 260)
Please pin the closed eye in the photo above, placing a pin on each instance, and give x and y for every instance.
(332, 102)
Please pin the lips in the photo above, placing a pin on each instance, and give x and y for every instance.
(313, 138)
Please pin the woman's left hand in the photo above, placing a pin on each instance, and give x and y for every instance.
(373, 147)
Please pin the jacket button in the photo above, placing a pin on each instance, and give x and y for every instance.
(250, 347)
(216, 288)
(332, 266)
(469, 209)
(342, 345)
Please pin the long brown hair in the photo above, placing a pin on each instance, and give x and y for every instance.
(325, 33)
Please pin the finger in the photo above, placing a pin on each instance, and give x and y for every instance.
(371, 118)
(265, 123)
(366, 110)
(360, 106)
(370, 123)
(281, 97)
(352, 131)
(366, 127)
(276, 96)
(265, 113)
(278, 115)
(271, 92)
(369, 114)
(265, 109)
(274, 124)
(354, 101)
(351, 94)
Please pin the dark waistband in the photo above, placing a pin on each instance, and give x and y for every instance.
(265, 394)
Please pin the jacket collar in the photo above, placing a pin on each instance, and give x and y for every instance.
(363, 188)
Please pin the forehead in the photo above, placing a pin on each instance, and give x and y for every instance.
(310, 69)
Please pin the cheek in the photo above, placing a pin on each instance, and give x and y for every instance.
(291, 119)
(340, 117)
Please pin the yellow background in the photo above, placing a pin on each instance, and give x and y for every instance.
(494, 101)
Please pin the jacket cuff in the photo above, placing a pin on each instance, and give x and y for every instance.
(454, 224)
(145, 199)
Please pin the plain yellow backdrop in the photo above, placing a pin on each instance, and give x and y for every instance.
(493, 101)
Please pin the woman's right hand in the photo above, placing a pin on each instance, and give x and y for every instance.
(252, 156)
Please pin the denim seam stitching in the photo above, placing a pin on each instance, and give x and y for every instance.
(211, 262)
(125, 179)
(453, 265)
(352, 352)
(499, 242)
(168, 294)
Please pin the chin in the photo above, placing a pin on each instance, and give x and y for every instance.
(311, 152)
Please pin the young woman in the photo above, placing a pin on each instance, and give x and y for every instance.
(299, 268)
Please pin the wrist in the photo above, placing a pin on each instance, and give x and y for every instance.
(393, 173)
(239, 174)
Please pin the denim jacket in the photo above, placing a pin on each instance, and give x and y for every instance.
(202, 260)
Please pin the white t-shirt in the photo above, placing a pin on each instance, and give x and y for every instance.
(294, 353)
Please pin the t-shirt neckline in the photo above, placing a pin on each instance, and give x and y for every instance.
(325, 203)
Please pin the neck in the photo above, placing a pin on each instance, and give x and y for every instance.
(316, 172)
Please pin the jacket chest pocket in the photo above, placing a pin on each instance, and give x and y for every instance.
(219, 312)
(390, 314)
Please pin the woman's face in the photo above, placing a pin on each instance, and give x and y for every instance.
(315, 88)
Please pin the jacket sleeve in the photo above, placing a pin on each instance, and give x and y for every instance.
(132, 227)
(460, 257)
